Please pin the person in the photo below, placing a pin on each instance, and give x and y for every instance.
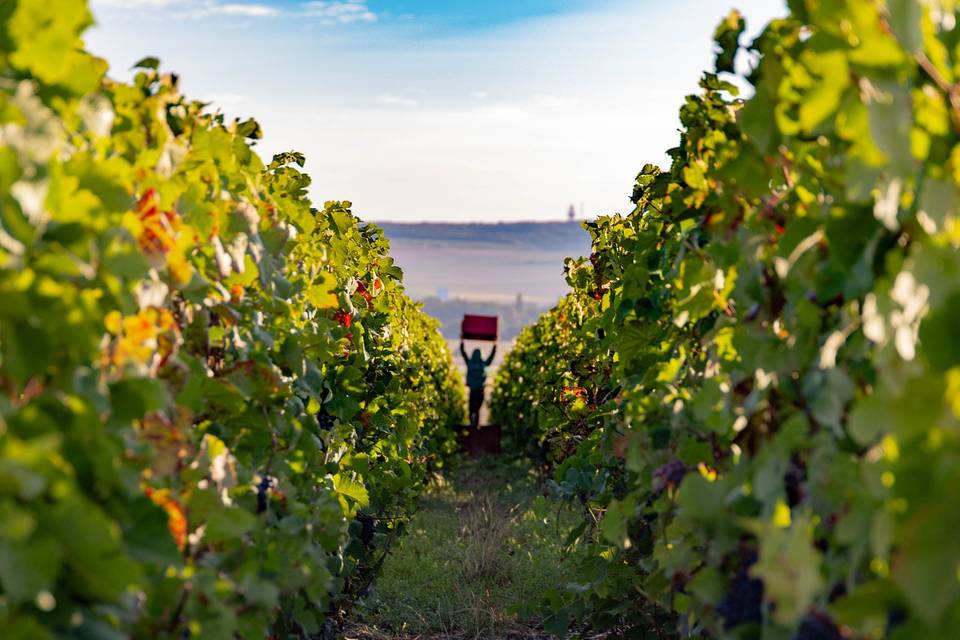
(476, 379)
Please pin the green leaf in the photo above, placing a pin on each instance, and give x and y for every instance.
(891, 119)
(708, 585)
(16, 523)
(869, 602)
(938, 335)
(616, 520)
(149, 62)
(224, 395)
(938, 200)
(829, 403)
(700, 498)
(228, 524)
(824, 99)
(25, 628)
(146, 536)
(789, 566)
(48, 44)
(870, 419)
(353, 489)
(288, 157)
(96, 566)
(250, 129)
(925, 566)
(906, 18)
(134, 398)
(727, 37)
(558, 623)
(29, 567)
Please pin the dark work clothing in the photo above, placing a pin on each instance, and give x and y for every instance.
(476, 380)
(476, 399)
(476, 374)
(477, 366)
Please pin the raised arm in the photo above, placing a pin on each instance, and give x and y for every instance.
(493, 352)
(463, 352)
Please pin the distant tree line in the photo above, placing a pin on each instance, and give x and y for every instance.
(568, 237)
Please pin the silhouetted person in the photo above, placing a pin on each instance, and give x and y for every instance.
(476, 379)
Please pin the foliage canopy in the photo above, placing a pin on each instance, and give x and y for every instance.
(752, 389)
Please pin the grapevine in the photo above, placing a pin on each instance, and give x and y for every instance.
(204, 378)
(776, 315)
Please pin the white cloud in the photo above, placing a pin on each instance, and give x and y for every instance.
(134, 5)
(248, 10)
(324, 12)
(398, 101)
(555, 102)
(339, 11)
(189, 8)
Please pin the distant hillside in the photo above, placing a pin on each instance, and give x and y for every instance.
(486, 262)
(551, 236)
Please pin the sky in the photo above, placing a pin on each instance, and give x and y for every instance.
(441, 110)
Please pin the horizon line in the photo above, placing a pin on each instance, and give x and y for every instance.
(476, 222)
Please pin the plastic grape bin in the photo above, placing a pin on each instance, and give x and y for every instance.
(479, 327)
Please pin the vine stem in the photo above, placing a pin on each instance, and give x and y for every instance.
(951, 89)
(178, 611)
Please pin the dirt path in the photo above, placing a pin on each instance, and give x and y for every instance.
(474, 562)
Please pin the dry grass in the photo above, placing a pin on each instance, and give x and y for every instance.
(473, 564)
(358, 631)
(518, 632)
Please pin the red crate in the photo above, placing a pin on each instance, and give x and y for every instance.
(481, 440)
(479, 327)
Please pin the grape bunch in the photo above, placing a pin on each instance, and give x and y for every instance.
(816, 626)
(367, 530)
(670, 475)
(262, 490)
(793, 482)
(743, 603)
(895, 618)
(325, 420)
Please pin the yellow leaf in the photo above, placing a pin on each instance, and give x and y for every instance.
(113, 322)
(781, 516)
(322, 295)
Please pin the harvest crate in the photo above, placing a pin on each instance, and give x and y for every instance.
(480, 327)
(481, 440)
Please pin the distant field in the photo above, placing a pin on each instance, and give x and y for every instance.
(492, 262)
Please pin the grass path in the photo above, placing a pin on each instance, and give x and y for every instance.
(482, 550)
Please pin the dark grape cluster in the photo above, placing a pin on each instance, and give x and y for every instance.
(325, 420)
(816, 626)
(743, 603)
(262, 490)
(367, 530)
(793, 482)
(895, 618)
(670, 475)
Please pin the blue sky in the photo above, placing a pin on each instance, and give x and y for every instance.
(463, 14)
(438, 15)
(441, 110)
